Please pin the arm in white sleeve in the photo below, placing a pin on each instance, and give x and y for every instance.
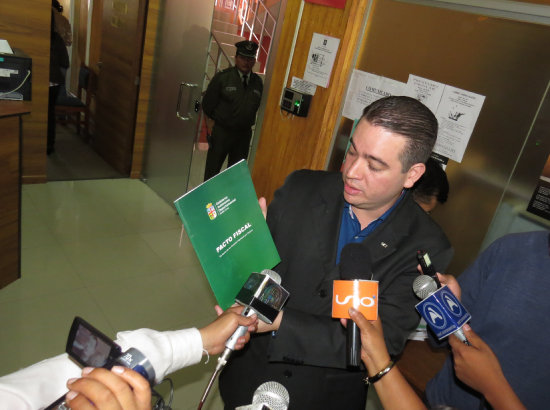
(167, 351)
(39, 385)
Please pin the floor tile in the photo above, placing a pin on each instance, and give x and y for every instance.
(45, 270)
(37, 328)
(173, 246)
(102, 260)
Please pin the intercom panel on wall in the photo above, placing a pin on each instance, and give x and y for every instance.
(295, 102)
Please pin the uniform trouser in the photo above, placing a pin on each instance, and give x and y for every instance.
(222, 144)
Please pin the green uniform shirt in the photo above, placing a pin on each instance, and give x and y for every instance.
(229, 104)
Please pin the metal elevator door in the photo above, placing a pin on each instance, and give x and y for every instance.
(178, 71)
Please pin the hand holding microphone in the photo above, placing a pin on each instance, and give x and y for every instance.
(215, 334)
(261, 294)
(440, 308)
(373, 346)
(355, 290)
(477, 365)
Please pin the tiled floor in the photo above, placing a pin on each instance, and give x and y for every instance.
(74, 159)
(107, 250)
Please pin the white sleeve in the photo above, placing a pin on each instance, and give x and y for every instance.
(167, 351)
(39, 385)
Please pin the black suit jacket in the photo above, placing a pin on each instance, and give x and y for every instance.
(307, 353)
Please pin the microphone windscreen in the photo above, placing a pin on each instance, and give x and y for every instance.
(273, 394)
(424, 286)
(355, 262)
(273, 275)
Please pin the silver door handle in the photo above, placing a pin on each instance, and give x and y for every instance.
(188, 117)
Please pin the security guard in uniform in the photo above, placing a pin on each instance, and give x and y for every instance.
(231, 102)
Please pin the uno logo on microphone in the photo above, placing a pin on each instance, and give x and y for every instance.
(359, 294)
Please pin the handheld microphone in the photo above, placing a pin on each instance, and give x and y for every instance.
(424, 286)
(269, 396)
(440, 308)
(355, 263)
(261, 294)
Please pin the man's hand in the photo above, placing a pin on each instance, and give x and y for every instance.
(263, 205)
(216, 333)
(209, 124)
(116, 389)
(265, 327)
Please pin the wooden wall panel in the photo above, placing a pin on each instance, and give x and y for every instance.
(290, 143)
(26, 25)
(145, 87)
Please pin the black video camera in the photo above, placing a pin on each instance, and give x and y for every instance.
(89, 347)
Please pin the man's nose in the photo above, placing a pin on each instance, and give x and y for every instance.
(354, 169)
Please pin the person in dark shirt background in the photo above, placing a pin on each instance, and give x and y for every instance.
(432, 187)
(59, 62)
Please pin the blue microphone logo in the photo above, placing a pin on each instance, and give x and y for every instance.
(443, 312)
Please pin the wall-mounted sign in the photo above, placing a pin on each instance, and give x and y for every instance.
(364, 89)
(540, 201)
(320, 59)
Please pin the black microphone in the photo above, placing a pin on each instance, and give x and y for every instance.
(423, 287)
(261, 294)
(269, 396)
(355, 263)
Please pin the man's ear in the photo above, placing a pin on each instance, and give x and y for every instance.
(413, 174)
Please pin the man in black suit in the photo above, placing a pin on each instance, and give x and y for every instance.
(311, 222)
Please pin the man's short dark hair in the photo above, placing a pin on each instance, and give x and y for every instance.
(411, 119)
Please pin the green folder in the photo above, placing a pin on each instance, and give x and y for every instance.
(228, 231)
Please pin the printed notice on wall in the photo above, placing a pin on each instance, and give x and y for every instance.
(364, 89)
(426, 91)
(457, 115)
(320, 60)
(303, 86)
(540, 201)
(456, 110)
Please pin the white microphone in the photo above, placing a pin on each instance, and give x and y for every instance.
(424, 286)
(261, 294)
(269, 396)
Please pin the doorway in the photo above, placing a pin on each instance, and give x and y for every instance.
(108, 39)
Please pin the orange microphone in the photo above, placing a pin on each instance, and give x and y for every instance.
(360, 294)
(357, 291)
